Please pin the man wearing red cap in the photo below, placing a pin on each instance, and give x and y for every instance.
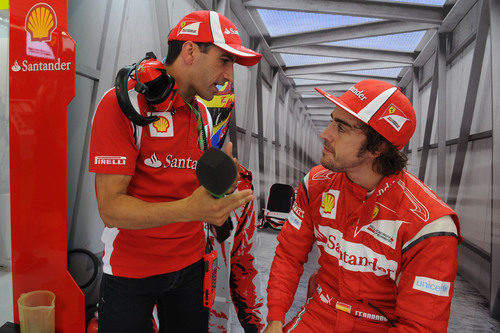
(388, 244)
(148, 195)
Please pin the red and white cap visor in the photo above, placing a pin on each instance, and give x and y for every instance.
(368, 111)
(244, 56)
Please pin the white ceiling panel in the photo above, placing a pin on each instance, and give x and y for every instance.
(279, 22)
(404, 42)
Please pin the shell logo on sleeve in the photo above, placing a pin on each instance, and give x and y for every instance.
(41, 21)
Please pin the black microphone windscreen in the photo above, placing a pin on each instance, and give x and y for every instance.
(216, 171)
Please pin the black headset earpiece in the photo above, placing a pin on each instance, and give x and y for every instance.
(158, 90)
(155, 92)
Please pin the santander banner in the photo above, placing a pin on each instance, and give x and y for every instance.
(41, 84)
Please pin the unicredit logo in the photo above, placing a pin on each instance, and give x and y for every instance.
(40, 66)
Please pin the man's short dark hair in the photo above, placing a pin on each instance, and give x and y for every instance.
(175, 47)
(391, 161)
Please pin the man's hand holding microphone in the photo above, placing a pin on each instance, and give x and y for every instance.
(218, 173)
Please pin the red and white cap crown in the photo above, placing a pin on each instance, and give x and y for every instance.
(211, 27)
(382, 106)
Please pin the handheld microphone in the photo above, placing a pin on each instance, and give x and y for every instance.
(216, 171)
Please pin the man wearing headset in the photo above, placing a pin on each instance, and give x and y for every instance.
(147, 192)
(388, 245)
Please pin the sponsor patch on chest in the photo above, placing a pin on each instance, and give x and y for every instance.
(354, 257)
(163, 127)
(385, 231)
(329, 202)
(171, 161)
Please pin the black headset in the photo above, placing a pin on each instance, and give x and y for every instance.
(155, 91)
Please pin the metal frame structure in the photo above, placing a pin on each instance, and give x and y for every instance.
(495, 225)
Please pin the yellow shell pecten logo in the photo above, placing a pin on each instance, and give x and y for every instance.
(41, 21)
(161, 124)
(328, 203)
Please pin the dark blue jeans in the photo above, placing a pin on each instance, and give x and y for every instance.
(126, 304)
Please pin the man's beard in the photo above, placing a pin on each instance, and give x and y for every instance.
(342, 167)
(330, 165)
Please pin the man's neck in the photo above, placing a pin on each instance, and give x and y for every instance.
(182, 80)
(367, 178)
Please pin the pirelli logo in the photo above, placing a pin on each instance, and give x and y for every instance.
(110, 160)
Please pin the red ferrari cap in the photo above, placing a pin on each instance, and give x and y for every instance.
(381, 106)
(210, 27)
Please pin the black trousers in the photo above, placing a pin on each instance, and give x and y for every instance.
(126, 304)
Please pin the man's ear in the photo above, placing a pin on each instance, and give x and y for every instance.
(189, 52)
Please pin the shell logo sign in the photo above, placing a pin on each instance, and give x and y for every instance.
(161, 125)
(41, 21)
(329, 202)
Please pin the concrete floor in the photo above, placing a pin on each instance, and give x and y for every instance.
(6, 313)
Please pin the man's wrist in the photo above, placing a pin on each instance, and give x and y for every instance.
(274, 326)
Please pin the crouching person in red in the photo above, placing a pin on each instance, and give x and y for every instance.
(388, 244)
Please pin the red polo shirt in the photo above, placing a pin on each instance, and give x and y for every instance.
(161, 158)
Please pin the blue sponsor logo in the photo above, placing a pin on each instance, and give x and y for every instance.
(294, 220)
(431, 286)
